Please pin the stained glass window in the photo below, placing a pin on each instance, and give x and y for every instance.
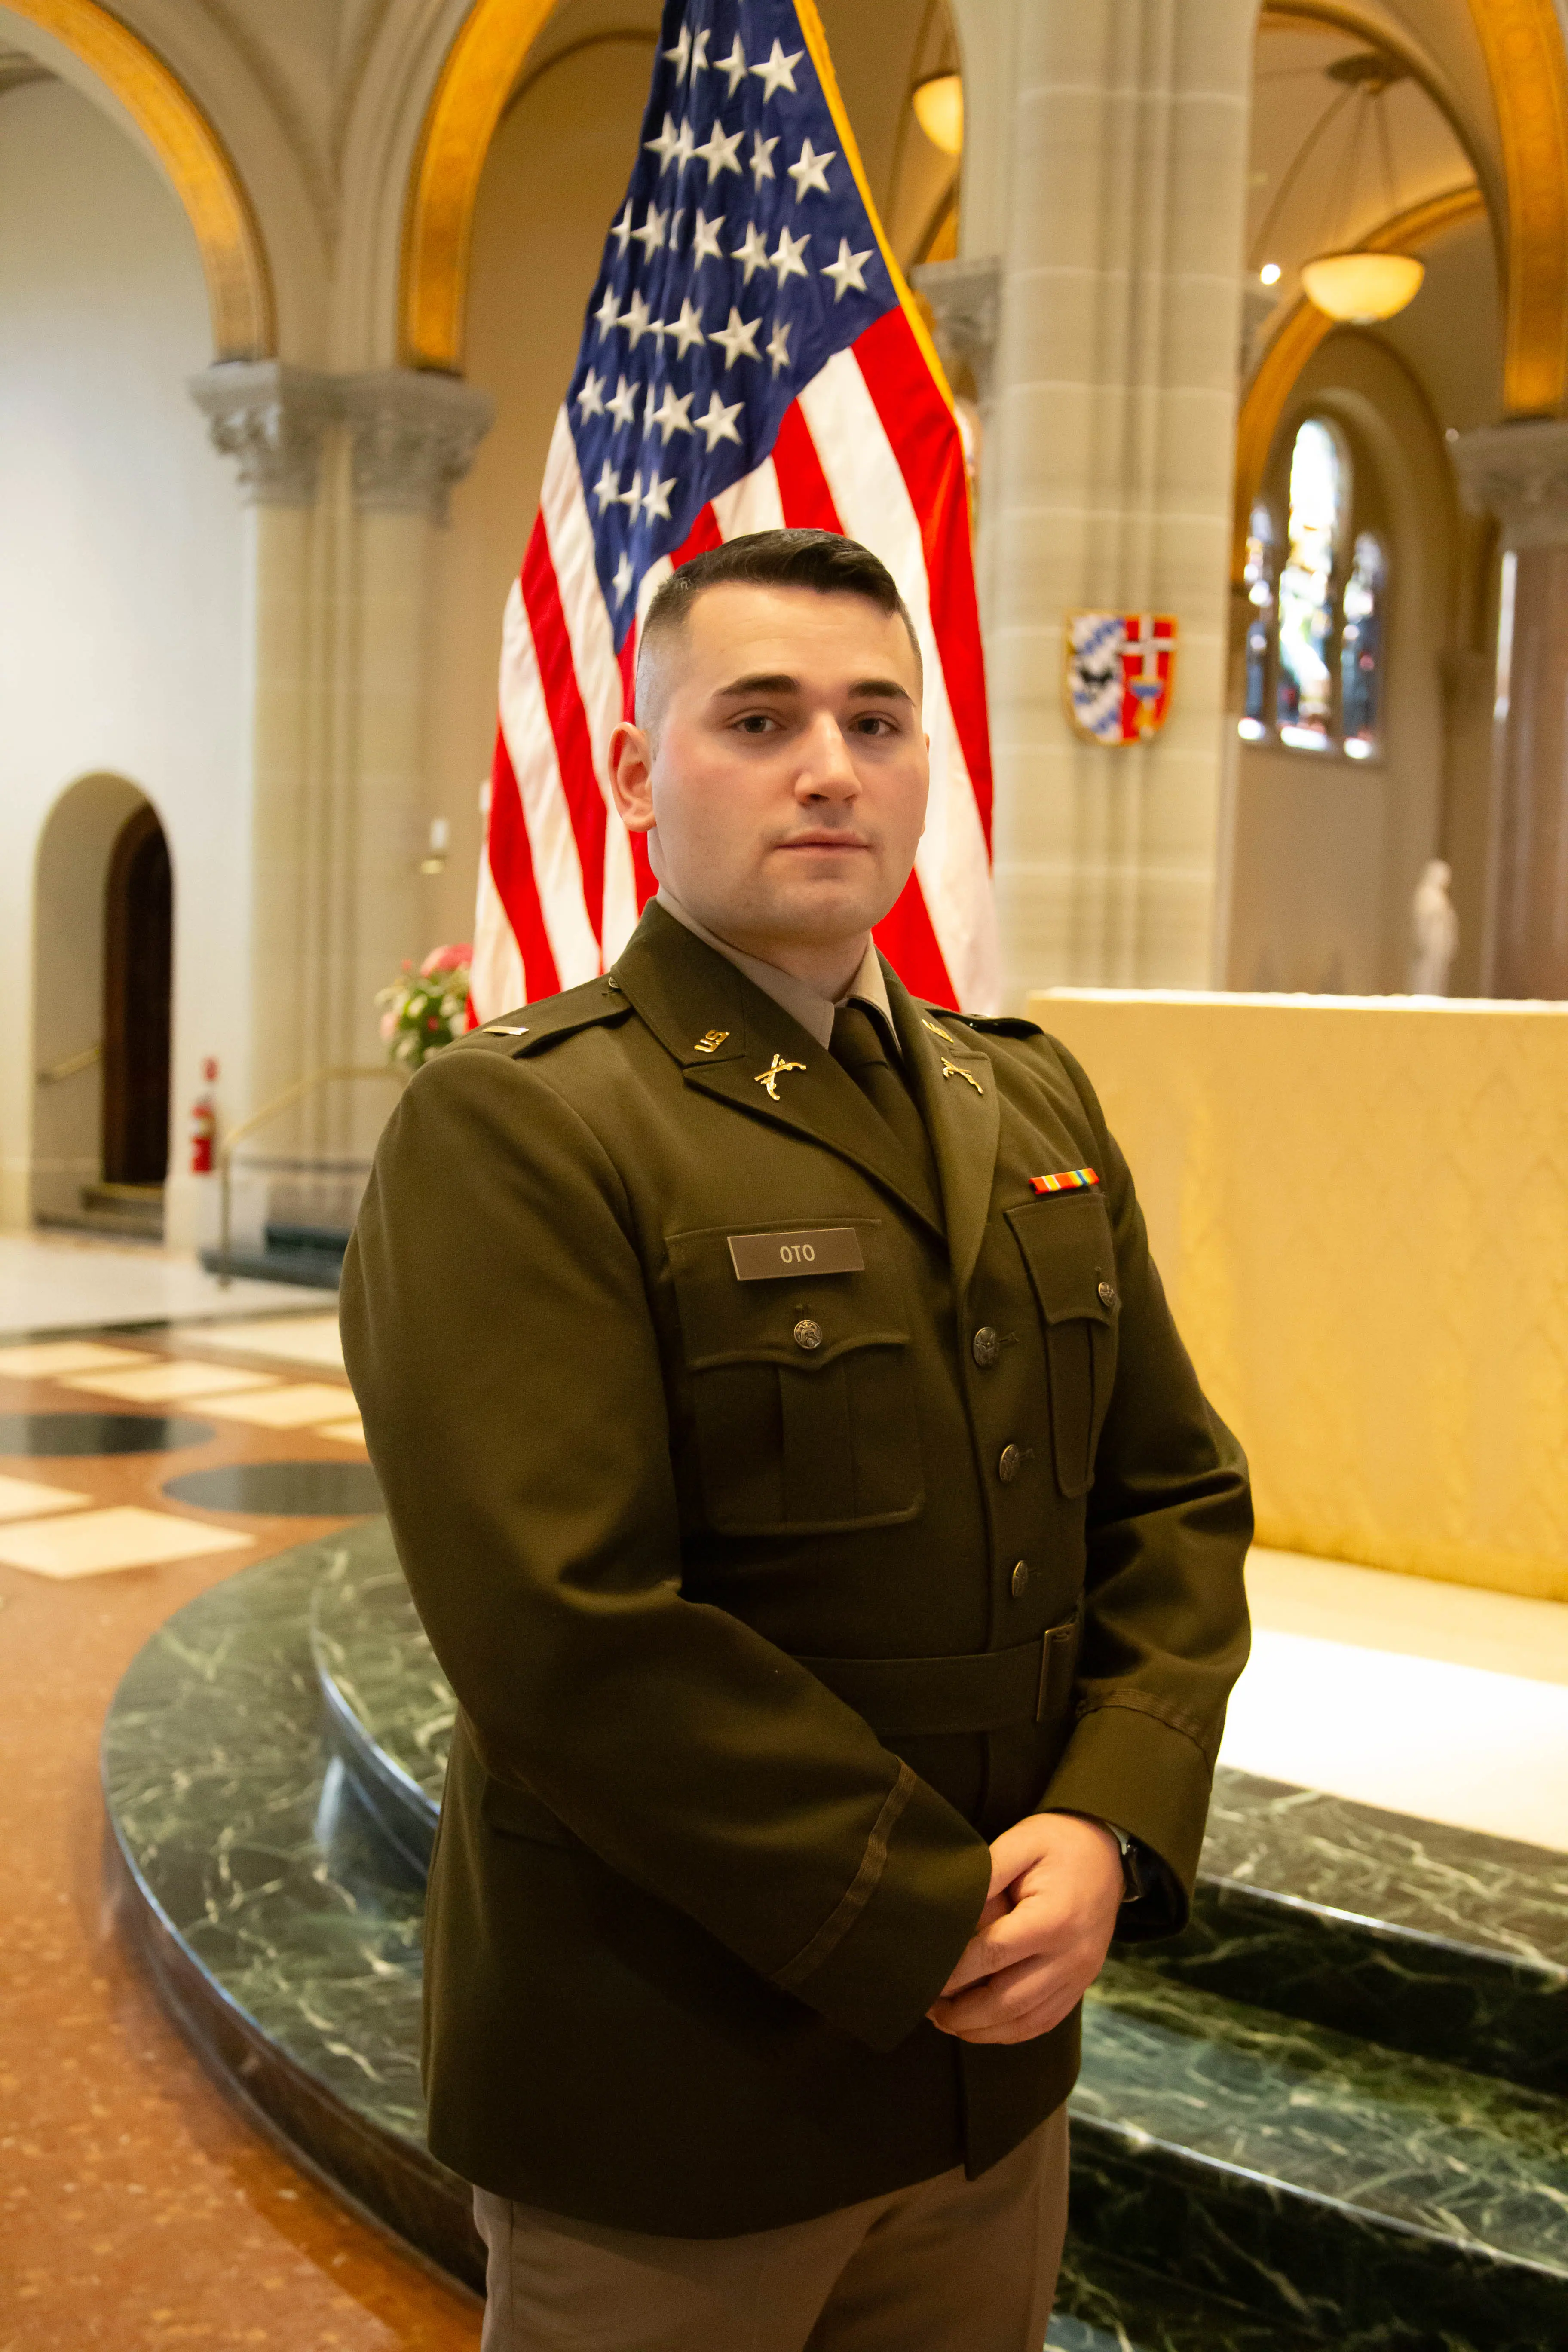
(1361, 649)
(1262, 561)
(1320, 488)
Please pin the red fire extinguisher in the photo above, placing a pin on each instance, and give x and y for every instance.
(204, 1126)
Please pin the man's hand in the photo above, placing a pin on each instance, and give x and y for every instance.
(1056, 1888)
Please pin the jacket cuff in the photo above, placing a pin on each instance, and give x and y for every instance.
(880, 1960)
(1133, 1768)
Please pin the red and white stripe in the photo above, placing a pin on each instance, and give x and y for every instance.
(870, 448)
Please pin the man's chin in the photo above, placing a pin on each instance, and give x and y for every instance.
(821, 913)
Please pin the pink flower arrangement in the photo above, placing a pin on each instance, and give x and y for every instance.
(425, 1009)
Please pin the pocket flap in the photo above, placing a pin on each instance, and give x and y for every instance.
(1066, 1241)
(724, 1320)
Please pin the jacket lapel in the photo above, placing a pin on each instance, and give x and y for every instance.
(955, 1086)
(728, 1036)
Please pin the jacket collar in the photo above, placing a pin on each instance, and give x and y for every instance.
(727, 1035)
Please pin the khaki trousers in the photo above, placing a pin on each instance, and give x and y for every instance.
(950, 2265)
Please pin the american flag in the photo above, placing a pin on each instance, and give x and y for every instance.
(751, 358)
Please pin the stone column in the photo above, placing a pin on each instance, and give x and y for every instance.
(345, 479)
(412, 435)
(1520, 473)
(1118, 218)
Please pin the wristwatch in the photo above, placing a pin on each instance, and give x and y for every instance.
(1132, 1885)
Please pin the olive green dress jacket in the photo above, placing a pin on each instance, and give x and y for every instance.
(785, 1534)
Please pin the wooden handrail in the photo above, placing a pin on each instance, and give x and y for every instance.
(84, 1060)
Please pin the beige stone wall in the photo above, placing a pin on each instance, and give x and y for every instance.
(1360, 1211)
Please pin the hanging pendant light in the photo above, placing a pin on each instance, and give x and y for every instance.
(938, 101)
(1359, 288)
(1354, 285)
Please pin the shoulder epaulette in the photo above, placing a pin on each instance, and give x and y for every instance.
(993, 1025)
(522, 1032)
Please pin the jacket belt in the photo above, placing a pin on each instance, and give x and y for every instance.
(989, 1690)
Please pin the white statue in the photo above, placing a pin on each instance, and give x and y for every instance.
(1434, 932)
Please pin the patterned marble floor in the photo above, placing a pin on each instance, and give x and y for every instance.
(139, 2208)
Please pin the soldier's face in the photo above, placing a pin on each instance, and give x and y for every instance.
(782, 778)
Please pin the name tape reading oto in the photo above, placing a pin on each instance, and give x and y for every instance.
(767, 1258)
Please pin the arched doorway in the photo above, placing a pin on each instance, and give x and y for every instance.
(138, 963)
(101, 971)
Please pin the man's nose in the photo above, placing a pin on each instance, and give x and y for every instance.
(825, 769)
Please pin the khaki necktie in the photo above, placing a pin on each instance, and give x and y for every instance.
(860, 1047)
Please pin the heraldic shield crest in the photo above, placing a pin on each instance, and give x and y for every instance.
(1121, 669)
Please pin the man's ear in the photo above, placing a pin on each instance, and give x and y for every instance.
(631, 776)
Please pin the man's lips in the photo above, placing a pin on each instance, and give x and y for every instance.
(823, 841)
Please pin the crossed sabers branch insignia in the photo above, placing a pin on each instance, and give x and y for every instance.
(770, 1076)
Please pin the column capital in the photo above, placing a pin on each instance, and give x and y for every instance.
(1518, 473)
(271, 418)
(415, 436)
(966, 298)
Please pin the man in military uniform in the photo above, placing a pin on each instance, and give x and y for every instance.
(839, 1569)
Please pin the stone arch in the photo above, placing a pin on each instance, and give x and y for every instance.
(479, 73)
(185, 143)
(1523, 43)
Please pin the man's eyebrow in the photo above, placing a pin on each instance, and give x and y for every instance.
(864, 689)
(760, 682)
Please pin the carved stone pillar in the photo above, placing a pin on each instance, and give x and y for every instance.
(965, 297)
(1118, 209)
(271, 420)
(345, 477)
(415, 436)
(1519, 474)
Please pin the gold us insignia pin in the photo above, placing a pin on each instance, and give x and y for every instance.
(769, 1077)
(711, 1041)
(951, 1070)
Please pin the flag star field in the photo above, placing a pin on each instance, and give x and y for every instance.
(742, 260)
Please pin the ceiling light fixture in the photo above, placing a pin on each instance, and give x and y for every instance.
(938, 103)
(1347, 283)
(1357, 288)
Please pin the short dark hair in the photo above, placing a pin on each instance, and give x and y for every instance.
(824, 561)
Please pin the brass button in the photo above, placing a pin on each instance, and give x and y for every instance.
(1107, 1294)
(1011, 1463)
(1020, 1580)
(807, 1334)
(985, 1347)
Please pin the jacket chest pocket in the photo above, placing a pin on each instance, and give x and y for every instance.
(1067, 1245)
(801, 1388)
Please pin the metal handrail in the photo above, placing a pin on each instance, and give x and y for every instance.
(84, 1060)
(285, 1101)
